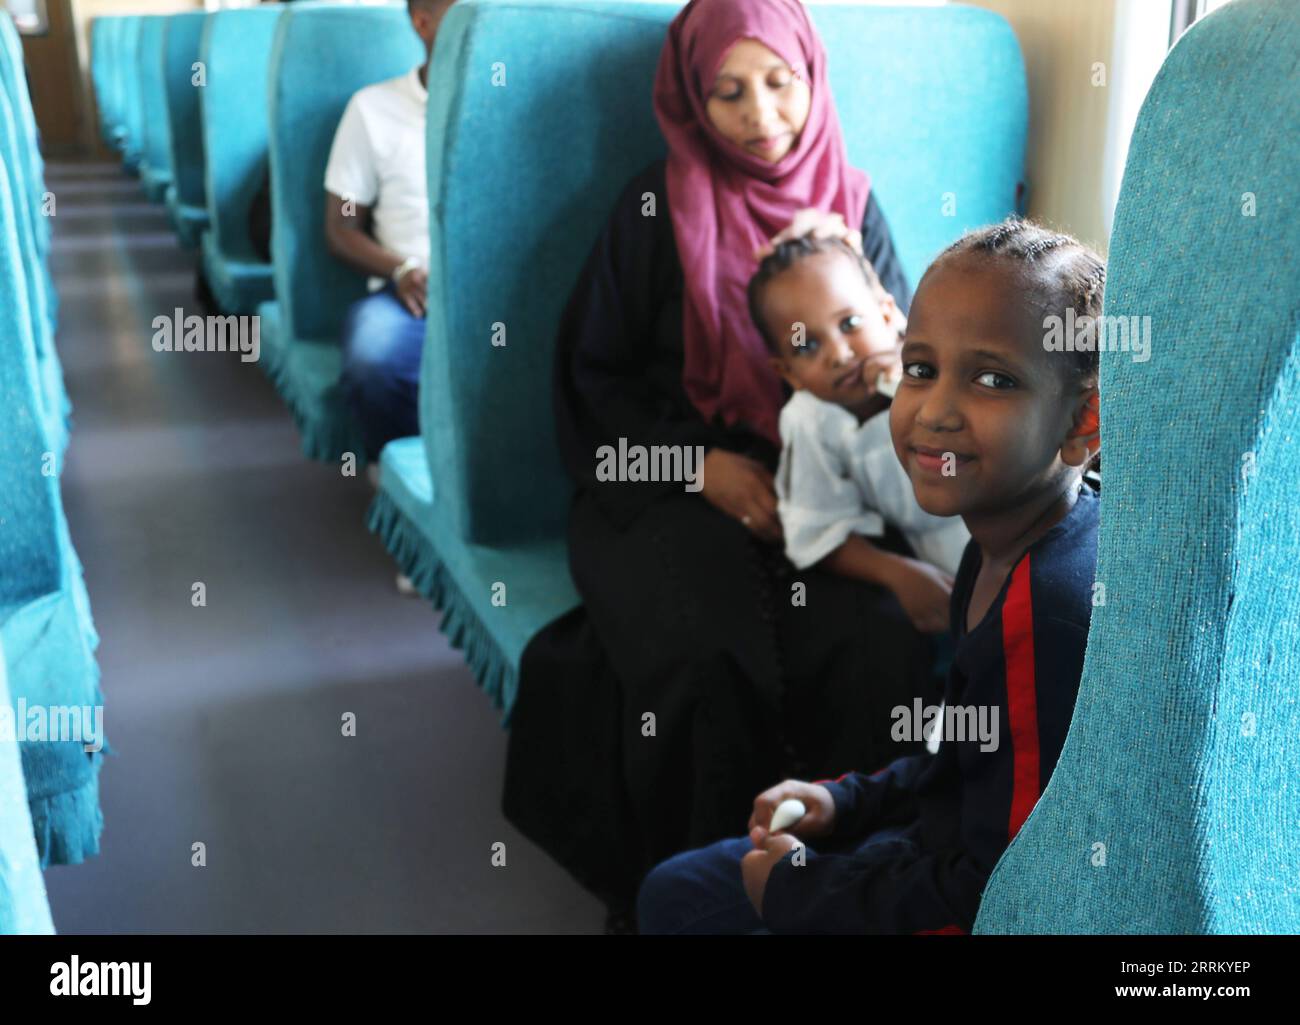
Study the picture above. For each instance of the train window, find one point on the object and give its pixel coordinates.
(30, 16)
(1187, 11)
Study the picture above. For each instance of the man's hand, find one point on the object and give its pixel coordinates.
(816, 223)
(742, 488)
(413, 290)
(756, 866)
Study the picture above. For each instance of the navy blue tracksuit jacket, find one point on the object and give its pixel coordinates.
(959, 809)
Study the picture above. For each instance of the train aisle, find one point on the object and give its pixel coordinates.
(227, 717)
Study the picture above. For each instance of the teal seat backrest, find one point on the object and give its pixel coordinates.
(523, 176)
(24, 228)
(129, 84)
(181, 41)
(323, 54)
(156, 152)
(20, 149)
(24, 906)
(116, 77)
(29, 538)
(236, 51)
(14, 81)
(101, 63)
(1174, 807)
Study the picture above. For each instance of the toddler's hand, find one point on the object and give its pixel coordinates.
(888, 362)
(818, 820)
(925, 593)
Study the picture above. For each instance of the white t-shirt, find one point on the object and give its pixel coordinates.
(378, 160)
(838, 477)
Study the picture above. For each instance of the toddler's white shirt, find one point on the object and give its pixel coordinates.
(838, 477)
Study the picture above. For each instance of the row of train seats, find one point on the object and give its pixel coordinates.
(513, 215)
(49, 679)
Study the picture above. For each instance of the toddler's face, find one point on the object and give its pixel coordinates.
(982, 409)
(828, 320)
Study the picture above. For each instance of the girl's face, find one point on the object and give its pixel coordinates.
(757, 102)
(984, 414)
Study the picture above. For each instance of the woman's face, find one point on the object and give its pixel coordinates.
(757, 102)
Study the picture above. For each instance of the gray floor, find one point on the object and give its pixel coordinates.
(226, 719)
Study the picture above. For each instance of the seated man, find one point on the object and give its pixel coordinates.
(377, 220)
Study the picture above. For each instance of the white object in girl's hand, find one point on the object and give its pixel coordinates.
(787, 813)
(886, 386)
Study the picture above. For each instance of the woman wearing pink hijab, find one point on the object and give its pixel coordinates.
(699, 670)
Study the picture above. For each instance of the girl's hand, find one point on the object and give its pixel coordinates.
(743, 489)
(819, 224)
(757, 865)
(925, 593)
(818, 819)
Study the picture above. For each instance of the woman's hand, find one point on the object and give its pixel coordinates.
(819, 224)
(818, 819)
(742, 488)
(925, 593)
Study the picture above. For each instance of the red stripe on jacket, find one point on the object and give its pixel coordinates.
(1022, 697)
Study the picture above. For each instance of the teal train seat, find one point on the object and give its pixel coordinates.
(128, 88)
(45, 628)
(24, 906)
(1174, 806)
(105, 58)
(522, 178)
(186, 196)
(103, 37)
(322, 55)
(236, 52)
(19, 146)
(155, 152)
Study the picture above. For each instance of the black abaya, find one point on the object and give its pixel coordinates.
(648, 720)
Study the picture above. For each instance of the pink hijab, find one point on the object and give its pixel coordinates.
(726, 202)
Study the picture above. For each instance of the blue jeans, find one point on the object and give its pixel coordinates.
(382, 347)
(701, 892)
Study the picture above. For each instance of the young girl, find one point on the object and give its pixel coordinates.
(830, 326)
(910, 848)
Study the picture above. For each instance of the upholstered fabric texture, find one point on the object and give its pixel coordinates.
(16, 144)
(181, 41)
(128, 85)
(24, 906)
(102, 57)
(155, 157)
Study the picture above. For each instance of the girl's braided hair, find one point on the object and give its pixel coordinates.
(1065, 273)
